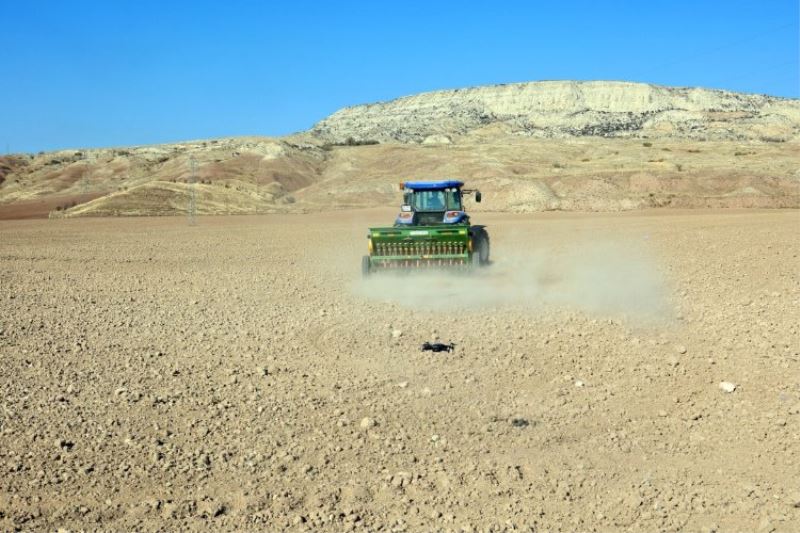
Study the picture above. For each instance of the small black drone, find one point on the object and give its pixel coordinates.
(438, 347)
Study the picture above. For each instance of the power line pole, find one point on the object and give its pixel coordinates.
(192, 198)
(85, 178)
(258, 185)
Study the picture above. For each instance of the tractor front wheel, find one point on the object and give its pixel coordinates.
(365, 266)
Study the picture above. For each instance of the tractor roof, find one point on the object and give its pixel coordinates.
(432, 185)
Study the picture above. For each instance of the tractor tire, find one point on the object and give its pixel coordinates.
(365, 266)
(482, 246)
(475, 260)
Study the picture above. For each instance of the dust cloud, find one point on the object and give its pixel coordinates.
(605, 278)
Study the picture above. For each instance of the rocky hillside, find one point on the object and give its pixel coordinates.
(536, 146)
(237, 175)
(561, 109)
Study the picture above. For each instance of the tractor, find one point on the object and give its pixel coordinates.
(432, 230)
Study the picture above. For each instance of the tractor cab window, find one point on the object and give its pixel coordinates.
(429, 201)
(440, 200)
(453, 200)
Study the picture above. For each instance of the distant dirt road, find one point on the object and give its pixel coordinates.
(238, 375)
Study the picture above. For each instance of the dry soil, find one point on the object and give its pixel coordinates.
(238, 374)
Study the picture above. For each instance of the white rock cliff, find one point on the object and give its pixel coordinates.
(558, 109)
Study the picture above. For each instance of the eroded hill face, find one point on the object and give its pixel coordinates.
(243, 175)
(593, 146)
(562, 109)
(520, 174)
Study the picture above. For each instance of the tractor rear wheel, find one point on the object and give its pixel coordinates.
(475, 260)
(365, 266)
(481, 246)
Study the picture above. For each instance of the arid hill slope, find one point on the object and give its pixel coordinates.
(537, 146)
(230, 176)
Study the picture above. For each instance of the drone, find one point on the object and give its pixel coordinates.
(437, 347)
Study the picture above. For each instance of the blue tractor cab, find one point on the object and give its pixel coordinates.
(429, 203)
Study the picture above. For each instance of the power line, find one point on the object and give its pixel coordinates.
(770, 68)
(710, 51)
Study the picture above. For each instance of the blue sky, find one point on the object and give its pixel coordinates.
(91, 73)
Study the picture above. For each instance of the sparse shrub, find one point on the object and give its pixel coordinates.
(693, 151)
(679, 167)
(666, 150)
(558, 165)
(647, 144)
(585, 159)
(351, 141)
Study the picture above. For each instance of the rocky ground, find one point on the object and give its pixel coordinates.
(620, 372)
